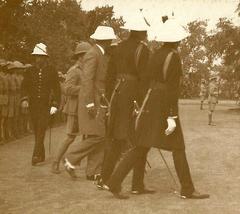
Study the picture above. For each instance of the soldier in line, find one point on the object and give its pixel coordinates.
(127, 69)
(203, 92)
(5, 107)
(91, 110)
(213, 91)
(25, 122)
(39, 82)
(11, 102)
(15, 68)
(157, 124)
(3, 100)
(71, 88)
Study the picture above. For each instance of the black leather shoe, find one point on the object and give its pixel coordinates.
(119, 195)
(99, 183)
(195, 195)
(143, 191)
(36, 160)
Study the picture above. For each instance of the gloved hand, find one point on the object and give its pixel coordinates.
(171, 126)
(25, 104)
(104, 103)
(92, 112)
(53, 110)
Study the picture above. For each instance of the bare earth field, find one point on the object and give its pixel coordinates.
(213, 154)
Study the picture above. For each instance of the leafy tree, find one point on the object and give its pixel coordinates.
(59, 24)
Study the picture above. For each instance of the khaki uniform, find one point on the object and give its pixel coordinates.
(5, 96)
(72, 88)
(213, 95)
(1, 92)
(12, 95)
(203, 92)
(18, 80)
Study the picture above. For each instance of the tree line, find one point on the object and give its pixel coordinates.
(61, 24)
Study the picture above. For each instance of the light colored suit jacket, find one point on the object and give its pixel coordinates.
(72, 88)
(93, 77)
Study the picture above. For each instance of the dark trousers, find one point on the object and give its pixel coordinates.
(40, 120)
(136, 158)
(112, 154)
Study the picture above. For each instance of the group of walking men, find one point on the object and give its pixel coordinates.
(119, 99)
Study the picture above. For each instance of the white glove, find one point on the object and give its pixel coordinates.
(53, 110)
(25, 104)
(171, 126)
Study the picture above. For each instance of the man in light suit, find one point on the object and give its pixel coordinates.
(90, 110)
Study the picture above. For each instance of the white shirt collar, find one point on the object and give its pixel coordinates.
(101, 49)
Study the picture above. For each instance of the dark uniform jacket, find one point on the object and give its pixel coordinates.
(127, 66)
(41, 88)
(161, 103)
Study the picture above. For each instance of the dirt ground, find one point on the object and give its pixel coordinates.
(213, 154)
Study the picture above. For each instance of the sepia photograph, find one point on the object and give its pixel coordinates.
(119, 106)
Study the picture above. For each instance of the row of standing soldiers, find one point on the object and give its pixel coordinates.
(14, 120)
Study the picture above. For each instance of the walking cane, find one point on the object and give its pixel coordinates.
(169, 172)
(50, 134)
(139, 112)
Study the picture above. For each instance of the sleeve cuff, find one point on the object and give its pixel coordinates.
(173, 117)
(90, 105)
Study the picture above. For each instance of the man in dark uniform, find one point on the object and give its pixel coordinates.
(127, 69)
(157, 124)
(39, 82)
